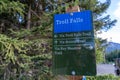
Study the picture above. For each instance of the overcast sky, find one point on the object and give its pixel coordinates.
(114, 33)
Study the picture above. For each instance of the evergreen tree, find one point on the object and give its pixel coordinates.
(28, 54)
(10, 13)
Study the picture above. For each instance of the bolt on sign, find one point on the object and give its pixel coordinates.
(73, 44)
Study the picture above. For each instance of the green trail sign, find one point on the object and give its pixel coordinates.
(73, 44)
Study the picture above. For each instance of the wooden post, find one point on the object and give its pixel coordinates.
(74, 77)
(73, 9)
(68, 10)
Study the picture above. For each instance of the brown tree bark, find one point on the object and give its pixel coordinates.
(29, 18)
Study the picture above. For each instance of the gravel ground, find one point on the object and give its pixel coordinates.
(104, 69)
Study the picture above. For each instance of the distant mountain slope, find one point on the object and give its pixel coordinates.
(112, 46)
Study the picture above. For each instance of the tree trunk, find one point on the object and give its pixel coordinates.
(29, 18)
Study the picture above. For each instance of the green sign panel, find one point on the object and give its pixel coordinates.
(74, 51)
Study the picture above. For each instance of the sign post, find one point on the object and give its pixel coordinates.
(73, 44)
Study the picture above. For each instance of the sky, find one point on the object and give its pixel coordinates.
(113, 34)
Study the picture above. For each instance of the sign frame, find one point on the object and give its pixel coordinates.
(58, 38)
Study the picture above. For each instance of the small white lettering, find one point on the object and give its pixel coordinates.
(69, 21)
(58, 52)
(76, 20)
(66, 21)
(74, 48)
